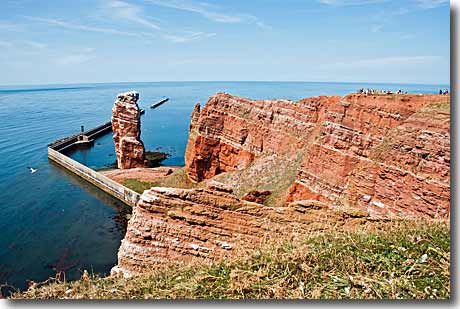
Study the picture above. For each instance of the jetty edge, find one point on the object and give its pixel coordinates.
(162, 101)
(57, 153)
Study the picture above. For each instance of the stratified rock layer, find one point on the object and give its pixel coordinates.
(178, 224)
(171, 224)
(231, 131)
(361, 156)
(126, 128)
(408, 172)
(386, 154)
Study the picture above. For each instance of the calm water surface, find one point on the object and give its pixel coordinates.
(53, 217)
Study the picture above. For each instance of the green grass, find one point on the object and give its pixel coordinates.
(269, 172)
(438, 107)
(107, 167)
(178, 179)
(137, 185)
(387, 263)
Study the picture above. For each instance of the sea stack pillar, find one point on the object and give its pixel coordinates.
(126, 126)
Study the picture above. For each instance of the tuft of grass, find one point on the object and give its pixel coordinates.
(438, 107)
(270, 172)
(178, 179)
(395, 260)
(138, 185)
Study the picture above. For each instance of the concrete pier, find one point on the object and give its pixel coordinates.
(56, 153)
(85, 137)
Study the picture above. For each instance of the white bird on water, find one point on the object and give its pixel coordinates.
(32, 170)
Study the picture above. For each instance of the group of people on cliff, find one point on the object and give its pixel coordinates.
(379, 91)
(444, 91)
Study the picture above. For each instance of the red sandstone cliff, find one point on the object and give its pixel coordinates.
(231, 131)
(360, 156)
(388, 155)
(178, 224)
(170, 224)
(126, 128)
(385, 154)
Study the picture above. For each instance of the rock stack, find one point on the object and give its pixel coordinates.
(126, 128)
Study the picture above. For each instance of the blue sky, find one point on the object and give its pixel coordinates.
(44, 42)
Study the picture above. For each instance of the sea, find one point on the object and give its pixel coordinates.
(53, 220)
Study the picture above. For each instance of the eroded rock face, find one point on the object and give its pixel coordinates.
(170, 224)
(385, 154)
(363, 156)
(256, 196)
(230, 131)
(126, 128)
(178, 224)
(388, 155)
(409, 172)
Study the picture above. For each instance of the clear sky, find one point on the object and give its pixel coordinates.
(79, 41)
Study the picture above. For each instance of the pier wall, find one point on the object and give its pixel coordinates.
(104, 183)
(115, 189)
(56, 153)
(68, 143)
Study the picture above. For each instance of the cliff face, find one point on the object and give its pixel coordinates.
(384, 154)
(126, 128)
(231, 131)
(358, 156)
(179, 225)
(388, 155)
(408, 172)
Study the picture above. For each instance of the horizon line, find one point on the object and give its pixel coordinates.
(233, 81)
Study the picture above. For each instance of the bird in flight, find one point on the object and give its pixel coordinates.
(32, 170)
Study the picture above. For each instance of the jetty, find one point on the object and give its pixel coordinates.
(57, 153)
(84, 138)
(155, 105)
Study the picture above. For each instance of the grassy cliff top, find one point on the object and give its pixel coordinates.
(398, 259)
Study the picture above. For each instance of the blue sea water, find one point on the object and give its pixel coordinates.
(53, 217)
